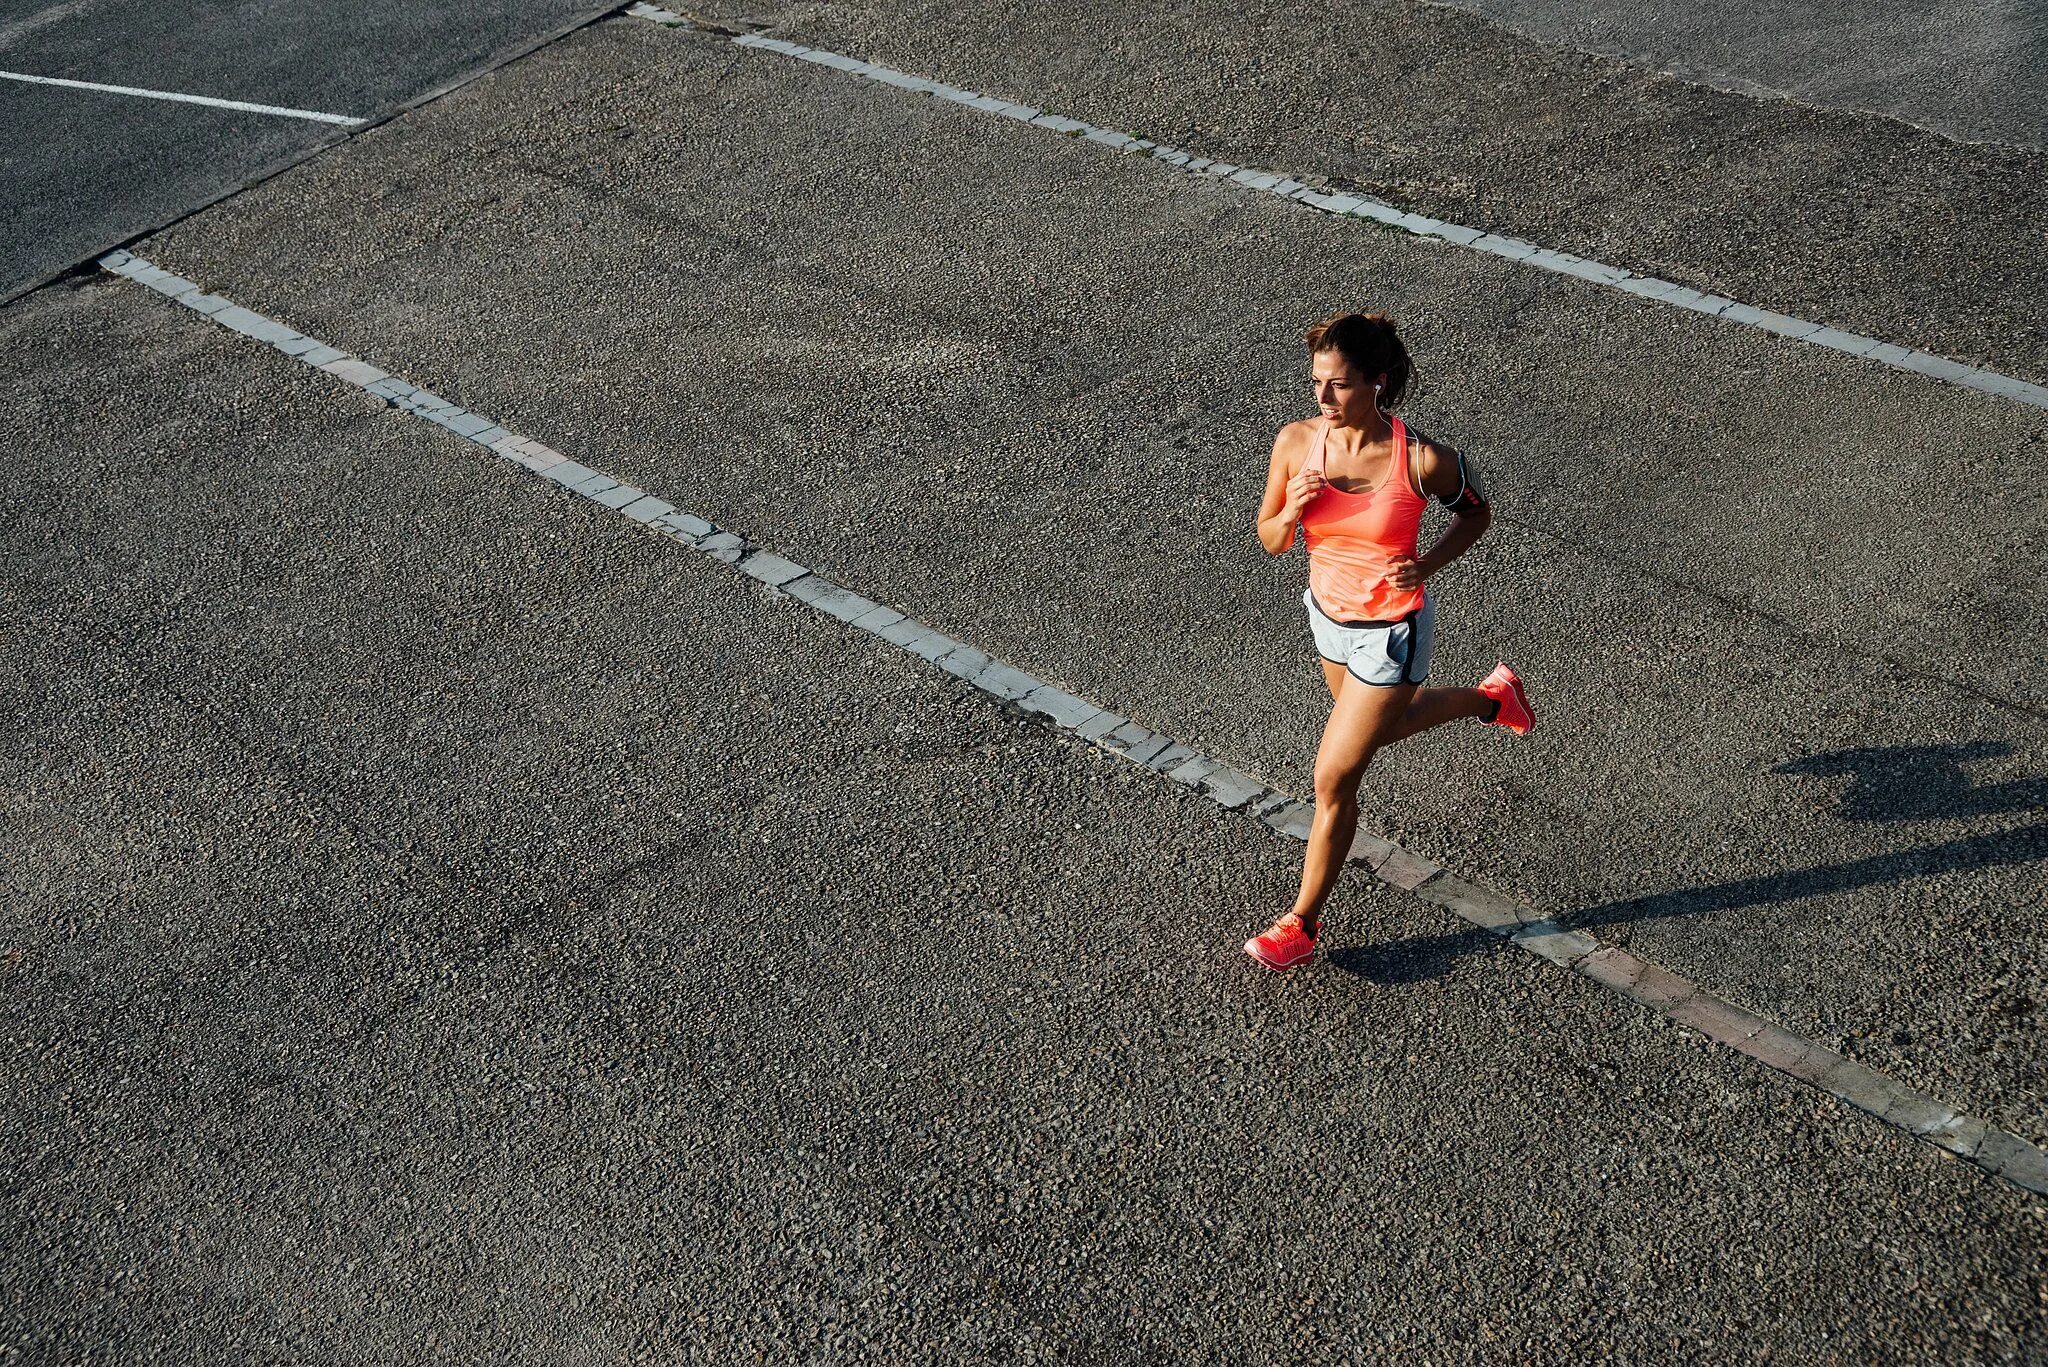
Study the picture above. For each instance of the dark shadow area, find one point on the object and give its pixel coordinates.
(1920, 782)
(1899, 783)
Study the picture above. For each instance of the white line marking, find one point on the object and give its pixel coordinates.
(1360, 206)
(241, 105)
(1996, 1151)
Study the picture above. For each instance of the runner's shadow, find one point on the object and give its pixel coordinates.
(1894, 783)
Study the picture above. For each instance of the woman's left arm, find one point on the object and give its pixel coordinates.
(1449, 476)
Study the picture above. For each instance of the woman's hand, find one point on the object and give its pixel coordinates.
(1302, 491)
(1406, 574)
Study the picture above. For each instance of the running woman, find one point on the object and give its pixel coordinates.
(1355, 481)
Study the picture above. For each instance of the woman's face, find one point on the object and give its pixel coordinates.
(1345, 397)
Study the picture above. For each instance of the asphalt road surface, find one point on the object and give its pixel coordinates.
(441, 920)
(1971, 71)
(83, 169)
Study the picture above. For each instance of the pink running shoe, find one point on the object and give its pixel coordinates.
(1504, 686)
(1282, 947)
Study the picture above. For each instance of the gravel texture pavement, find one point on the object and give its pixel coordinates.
(1838, 217)
(1788, 744)
(444, 922)
(1970, 71)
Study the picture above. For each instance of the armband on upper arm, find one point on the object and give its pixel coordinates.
(1471, 496)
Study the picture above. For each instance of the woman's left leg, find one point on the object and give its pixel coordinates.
(1364, 719)
(1432, 707)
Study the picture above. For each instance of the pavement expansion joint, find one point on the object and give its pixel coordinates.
(1304, 191)
(1912, 1113)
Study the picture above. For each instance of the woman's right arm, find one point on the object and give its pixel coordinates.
(1286, 496)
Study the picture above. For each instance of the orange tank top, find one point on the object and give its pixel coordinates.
(1354, 538)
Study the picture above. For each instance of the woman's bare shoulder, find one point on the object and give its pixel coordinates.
(1294, 438)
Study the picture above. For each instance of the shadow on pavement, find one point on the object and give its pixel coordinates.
(1897, 783)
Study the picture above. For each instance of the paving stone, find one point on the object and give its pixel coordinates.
(906, 631)
(1148, 750)
(1916, 1112)
(490, 436)
(241, 319)
(2014, 1159)
(1098, 726)
(1858, 1086)
(1937, 367)
(1961, 1136)
(1515, 249)
(1458, 233)
(323, 354)
(211, 305)
(469, 424)
(1172, 757)
(1853, 343)
(173, 286)
(1369, 848)
(1548, 940)
(811, 588)
(1272, 800)
(1064, 708)
(964, 660)
(1659, 988)
(115, 259)
(877, 617)
(540, 459)
(1293, 819)
(1784, 324)
(724, 546)
(568, 473)
(297, 345)
(1006, 681)
(1229, 788)
(688, 523)
(1126, 736)
(1796, 1055)
(1610, 967)
(1715, 1018)
(765, 566)
(1481, 906)
(932, 645)
(844, 604)
(1193, 771)
(356, 372)
(617, 496)
(1406, 870)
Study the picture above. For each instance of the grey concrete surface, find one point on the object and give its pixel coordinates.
(443, 923)
(1842, 218)
(1790, 743)
(1973, 71)
(97, 167)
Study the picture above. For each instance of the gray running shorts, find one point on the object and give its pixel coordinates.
(1378, 653)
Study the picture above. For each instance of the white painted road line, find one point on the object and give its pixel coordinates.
(241, 106)
(1360, 206)
(1994, 1150)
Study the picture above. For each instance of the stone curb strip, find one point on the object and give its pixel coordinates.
(1996, 1151)
(1361, 206)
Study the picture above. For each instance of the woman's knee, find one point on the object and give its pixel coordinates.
(1337, 784)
